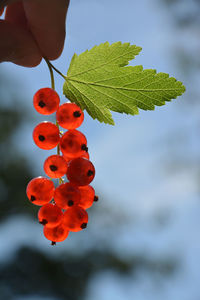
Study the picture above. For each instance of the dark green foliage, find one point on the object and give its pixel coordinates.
(66, 277)
(14, 170)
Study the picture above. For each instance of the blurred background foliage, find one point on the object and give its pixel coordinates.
(30, 271)
(14, 171)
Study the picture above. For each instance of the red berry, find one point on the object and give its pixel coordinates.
(56, 234)
(80, 171)
(85, 155)
(40, 190)
(75, 218)
(69, 116)
(46, 101)
(73, 144)
(67, 159)
(55, 166)
(66, 195)
(50, 215)
(46, 135)
(87, 196)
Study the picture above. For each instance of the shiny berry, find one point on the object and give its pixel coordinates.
(66, 195)
(46, 101)
(75, 218)
(56, 234)
(46, 135)
(87, 196)
(40, 190)
(73, 144)
(67, 159)
(80, 171)
(85, 155)
(55, 166)
(50, 215)
(69, 116)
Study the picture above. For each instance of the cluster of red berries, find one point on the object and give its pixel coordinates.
(64, 207)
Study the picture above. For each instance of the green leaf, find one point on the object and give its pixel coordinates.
(99, 80)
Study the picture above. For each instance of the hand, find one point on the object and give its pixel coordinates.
(32, 29)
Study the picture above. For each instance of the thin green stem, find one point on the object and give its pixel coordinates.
(57, 71)
(51, 74)
(61, 180)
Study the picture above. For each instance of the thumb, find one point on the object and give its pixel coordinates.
(18, 46)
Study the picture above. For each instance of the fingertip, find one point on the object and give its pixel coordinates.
(47, 23)
(53, 53)
(19, 46)
(29, 61)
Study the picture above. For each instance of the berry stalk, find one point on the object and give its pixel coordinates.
(51, 73)
(51, 67)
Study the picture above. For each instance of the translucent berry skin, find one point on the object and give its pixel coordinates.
(56, 234)
(69, 116)
(68, 159)
(67, 195)
(87, 196)
(40, 190)
(46, 135)
(55, 166)
(75, 218)
(50, 215)
(73, 144)
(80, 171)
(86, 155)
(46, 101)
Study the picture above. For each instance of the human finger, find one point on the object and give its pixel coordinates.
(18, 46)
(46, 20)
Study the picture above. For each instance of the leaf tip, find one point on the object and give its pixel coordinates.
(183, 87)
(139, 48)
(112, 123)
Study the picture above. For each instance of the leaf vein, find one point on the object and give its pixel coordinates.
(99, 66)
